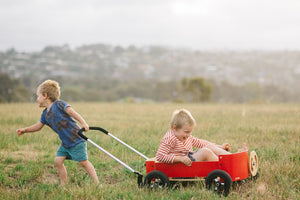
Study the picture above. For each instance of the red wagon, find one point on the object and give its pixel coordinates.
(218, 175)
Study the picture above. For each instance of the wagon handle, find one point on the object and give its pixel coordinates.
(140, 176)
(80, 133)
(91, 128)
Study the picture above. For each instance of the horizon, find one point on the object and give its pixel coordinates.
(73, 48)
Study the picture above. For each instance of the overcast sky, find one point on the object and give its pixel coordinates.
(30, 25)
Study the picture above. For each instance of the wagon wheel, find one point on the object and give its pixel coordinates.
(253, 164)
(156, 179)
(218, 181)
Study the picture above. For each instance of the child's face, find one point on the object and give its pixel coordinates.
(41, 99)
(183, 133)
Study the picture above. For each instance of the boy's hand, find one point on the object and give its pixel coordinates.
(86, 127)
(226, 146)
(20, 131)
(185, 160)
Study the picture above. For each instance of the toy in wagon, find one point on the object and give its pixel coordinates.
(218, 175)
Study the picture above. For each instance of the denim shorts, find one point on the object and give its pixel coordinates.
(76, 153)
(190, 155)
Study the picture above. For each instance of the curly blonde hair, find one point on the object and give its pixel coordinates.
(182, 117)
(51, 88)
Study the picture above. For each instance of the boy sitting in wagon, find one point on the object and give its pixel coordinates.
(177, 144)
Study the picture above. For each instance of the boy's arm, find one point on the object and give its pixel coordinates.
(36, 127)
(200, 143)
(163, 155)
(70, 111)
(224, 146)
(183, 159)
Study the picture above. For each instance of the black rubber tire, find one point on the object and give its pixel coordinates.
(156, 179)
(254, 178)
(218, 181)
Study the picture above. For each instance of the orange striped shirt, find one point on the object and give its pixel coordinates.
(171, 146)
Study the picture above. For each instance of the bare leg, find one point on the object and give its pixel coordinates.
(62, 171)
(205, 154)
(90, 170)
(217, 150)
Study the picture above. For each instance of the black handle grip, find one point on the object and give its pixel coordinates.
(91, 128)
(99, 129)
(81, 134)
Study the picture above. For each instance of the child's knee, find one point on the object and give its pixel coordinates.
(210, 146)
(207, 151)
(58, 162)
(210, 155)
(84, 163)
(204, 154)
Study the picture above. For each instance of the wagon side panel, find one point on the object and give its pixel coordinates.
(236, 165)
(150, 166)
(197, 169)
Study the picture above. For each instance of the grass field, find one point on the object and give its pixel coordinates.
(27, 169)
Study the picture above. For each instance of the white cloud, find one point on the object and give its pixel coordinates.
(200, 24)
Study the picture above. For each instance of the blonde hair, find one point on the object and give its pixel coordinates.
(51, 88)
(182, 117)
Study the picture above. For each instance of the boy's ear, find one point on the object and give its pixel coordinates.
(174, 127)
(45, 95)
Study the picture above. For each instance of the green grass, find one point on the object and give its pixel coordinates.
(27, 163)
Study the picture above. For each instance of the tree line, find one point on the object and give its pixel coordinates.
(192, 89)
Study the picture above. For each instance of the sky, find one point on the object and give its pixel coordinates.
(31, 25)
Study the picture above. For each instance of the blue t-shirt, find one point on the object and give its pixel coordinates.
(62, 123)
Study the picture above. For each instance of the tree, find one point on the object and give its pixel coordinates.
(12, 90)
(6, 88)
(196, 89)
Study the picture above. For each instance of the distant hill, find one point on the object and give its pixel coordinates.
(114, 64)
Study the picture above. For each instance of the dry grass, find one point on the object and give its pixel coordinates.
(27, 170)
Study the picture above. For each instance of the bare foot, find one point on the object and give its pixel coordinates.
(244, 148)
